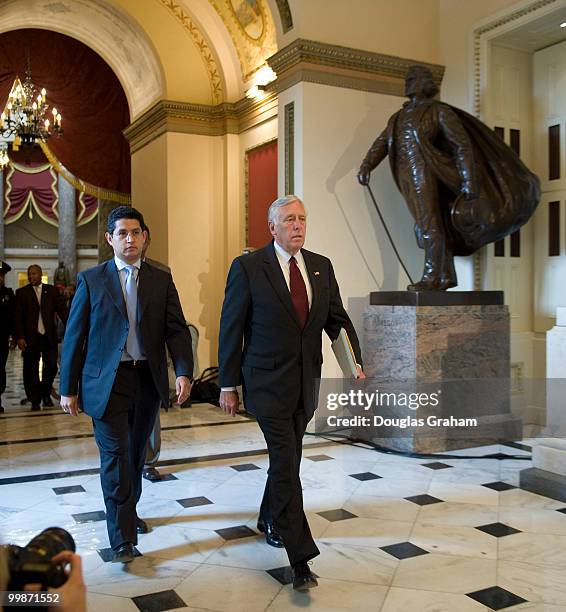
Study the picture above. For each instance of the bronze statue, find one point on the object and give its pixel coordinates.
(463, 185)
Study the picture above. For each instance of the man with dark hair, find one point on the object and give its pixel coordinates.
(278, 301)
(124, 313)
(7, 300)
(36, 335)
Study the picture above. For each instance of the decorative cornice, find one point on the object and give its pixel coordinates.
(316, 62)
(204, 50)
(226, 118)
(285, 15)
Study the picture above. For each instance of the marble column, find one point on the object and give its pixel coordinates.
(104, 249)
(2, 234)
(548, 474)
(67, 227)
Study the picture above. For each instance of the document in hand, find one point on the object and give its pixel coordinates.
(345, 355)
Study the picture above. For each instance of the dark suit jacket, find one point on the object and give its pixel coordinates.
(98, 327)
(27, 313)
(262, 344)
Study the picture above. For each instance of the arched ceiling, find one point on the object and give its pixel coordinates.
(198, 51)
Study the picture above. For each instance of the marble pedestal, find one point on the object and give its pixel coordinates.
(548, 474)
(456, 343)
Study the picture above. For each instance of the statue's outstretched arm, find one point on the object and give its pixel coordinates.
(376, 154)
(454, 132)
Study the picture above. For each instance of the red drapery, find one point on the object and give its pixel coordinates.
(262, 190)
(34, 187)
(86, 92)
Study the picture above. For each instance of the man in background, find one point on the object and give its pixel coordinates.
(7, 300)
(36, 335)
(153, 447)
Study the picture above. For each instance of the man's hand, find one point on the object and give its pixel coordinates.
(229, 401)
(183, 388)
(70, 404)
(22, 344)
(73, 592)
(361, 374)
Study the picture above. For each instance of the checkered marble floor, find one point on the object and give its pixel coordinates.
(445, 534)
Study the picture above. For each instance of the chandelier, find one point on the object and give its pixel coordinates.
(26, 119)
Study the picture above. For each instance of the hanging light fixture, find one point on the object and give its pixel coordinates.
(26, 118)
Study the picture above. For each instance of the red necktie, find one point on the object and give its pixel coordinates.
(298, 292)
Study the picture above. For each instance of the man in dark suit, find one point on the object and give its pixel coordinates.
(278, 301)
(7, 300)
(113, 364)
(153, 448)
(36, 335)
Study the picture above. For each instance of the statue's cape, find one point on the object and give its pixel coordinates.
(509, 191)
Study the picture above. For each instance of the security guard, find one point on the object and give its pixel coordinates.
(7, 301)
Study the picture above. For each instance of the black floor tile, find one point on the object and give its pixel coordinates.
(167, 477)
(245, 467)
(90, 517)
(320, 458)
(337, 515)
(437, 465)
(365, 476)
(65, 490)
(191, 502)
(106, 554)
(424, 500)
(496, 598)
(284, 575)
(404, 550)
(499, 486)
(235, 533)
(159, 602)
(498, 530)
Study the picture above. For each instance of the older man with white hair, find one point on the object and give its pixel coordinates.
(278, 301)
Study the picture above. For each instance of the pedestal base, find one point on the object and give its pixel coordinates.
(458, 342)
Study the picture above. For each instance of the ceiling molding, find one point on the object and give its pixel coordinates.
(208, 120)
(285, 15)
(316, 62)
(205, 52)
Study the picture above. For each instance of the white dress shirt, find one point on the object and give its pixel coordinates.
(283, 258)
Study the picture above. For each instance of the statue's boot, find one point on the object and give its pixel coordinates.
(439, 272)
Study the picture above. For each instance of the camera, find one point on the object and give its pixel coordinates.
(32, 564)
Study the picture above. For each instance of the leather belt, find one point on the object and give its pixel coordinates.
(134, 364)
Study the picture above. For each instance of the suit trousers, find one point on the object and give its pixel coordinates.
(4, 352)
(37, 390)
(282, 502)
(121, 435)
(153, 446)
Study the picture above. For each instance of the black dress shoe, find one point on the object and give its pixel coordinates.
(271, 536)
(151, 474)
(47, 403)
(142, 526)
(35, 407)
(303, 578)
(125, 553)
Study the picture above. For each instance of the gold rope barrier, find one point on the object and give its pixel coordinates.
(97, 192)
